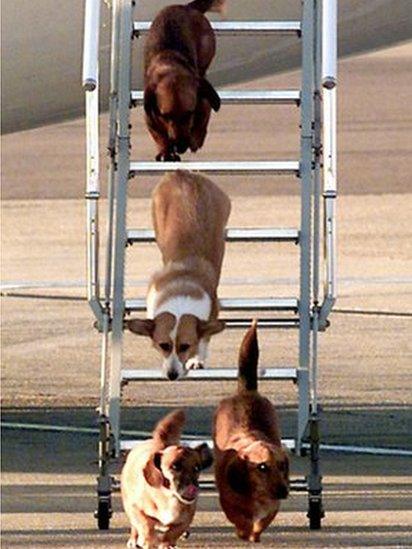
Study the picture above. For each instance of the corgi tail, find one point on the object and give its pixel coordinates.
(169, 429)
(248, 361)
(208, 5)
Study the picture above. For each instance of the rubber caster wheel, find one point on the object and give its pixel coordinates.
(315, 514)
(103, 514)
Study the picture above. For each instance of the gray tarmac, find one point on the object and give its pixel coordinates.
(50, 353)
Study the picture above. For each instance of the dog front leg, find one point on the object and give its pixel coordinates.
(132, 543)
(198, 362)
(201, 120)
(260, 525)
(166, 152)
(142, 532)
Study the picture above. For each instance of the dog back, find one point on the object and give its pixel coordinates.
(190, 214)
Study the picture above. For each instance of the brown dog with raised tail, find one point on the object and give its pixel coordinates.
(160, 485)
(251, 466)
(177, 97)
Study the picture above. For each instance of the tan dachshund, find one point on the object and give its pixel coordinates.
(190, 214)
(251, 467)
(177, 97)
(160, 485)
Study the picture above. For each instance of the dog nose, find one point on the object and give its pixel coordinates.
(172, 375)
(282, 492)
(182, 146)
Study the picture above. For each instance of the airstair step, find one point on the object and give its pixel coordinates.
(233, 28)
(235, 304)
(245, 97)
(211, 374)
(264, 167)
(232, 235)
(243, 323)
(295, 485)
(125, 445)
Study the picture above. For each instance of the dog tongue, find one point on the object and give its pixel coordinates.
(190, 492)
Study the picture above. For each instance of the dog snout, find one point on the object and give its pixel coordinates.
(172, 375)
(173, 367)
(182, 146)
(282, 492)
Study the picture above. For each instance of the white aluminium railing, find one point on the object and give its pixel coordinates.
(91, 86)
(91, 44)
(329, 43)
(329, 81)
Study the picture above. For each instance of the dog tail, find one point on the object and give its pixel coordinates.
(208, 5)
(169, 429)
(248, 361)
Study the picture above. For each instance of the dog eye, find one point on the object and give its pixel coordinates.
(167, 347)
(184, 347)
(176, 466)
(197, 468)
(263, 468)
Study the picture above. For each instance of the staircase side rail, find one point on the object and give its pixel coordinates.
(91, 86)
(329, 68)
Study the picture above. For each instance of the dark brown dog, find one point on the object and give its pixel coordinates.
(177, 97)
(251, 467)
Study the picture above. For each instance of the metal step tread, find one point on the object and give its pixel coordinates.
(280, 167)
(211, 374)
(239, 27)
(231, 235)
(236, 304)
(289, 443)
(243, 323)
(245, 97)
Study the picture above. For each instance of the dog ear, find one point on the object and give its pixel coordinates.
(237, 476)
(153, 472)
(140, 326)
(205, 454)
(149, 101)
(209, 327)
(207, 91)
(285, 463)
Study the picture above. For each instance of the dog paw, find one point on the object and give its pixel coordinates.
(195, 364)
(168, 157)
(132, 544)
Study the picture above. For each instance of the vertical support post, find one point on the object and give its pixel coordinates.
(104, 397)
(103, 512)
(306, 174)
(121, 183)
(317, 146)
(314, 479)
(92, 198)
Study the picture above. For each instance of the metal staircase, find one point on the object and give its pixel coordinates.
(308, 312)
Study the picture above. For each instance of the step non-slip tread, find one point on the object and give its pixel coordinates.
(233, 28)
(210, 374)
(245, 97)
(289, 443)
(231, 235)
(262, 167)
(235, 304)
